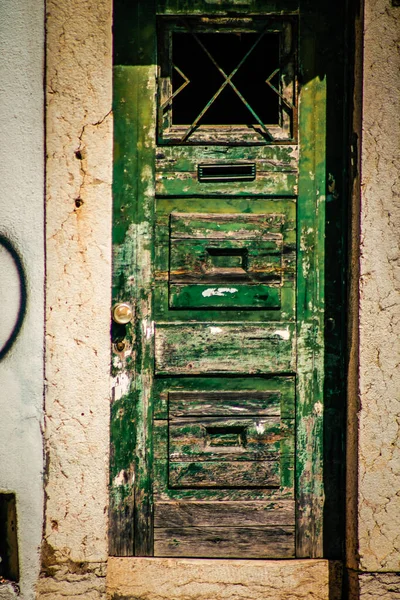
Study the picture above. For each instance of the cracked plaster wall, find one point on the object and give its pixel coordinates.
(22, 225)
(202, 579)
(379, 586)
(379, 416)
(78, 252)
(78, 282)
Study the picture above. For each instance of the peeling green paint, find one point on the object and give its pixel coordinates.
(227, 283)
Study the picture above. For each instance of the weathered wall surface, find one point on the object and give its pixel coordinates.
(201, 579)
(78, 200)
(22, 232)
(379, 586)
(379, 416)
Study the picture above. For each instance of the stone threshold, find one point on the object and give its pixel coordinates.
(224, 579)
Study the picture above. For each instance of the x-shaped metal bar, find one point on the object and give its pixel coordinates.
(281, 96)
(180, 88)
(228, 80)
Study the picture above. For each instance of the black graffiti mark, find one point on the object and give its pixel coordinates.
(7, 244)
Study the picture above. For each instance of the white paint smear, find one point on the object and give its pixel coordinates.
(218, 292)
(318, 408)
(215, 330)
(148, 328)
(283, 333)
(260, 427)
(120, 479)
(122, 384)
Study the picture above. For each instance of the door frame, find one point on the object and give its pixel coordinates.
(132, 243)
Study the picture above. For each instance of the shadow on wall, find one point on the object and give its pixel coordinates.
(16, 321)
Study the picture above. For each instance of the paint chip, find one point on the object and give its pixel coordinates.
(260, 427)
(283, 333)
(215, 330)
(318, 409)
(218, 292)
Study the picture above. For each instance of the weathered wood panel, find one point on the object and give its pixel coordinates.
(250, 7)
(170, 394)
(163, 493)
(200, 343)
(134, 90)
(273, 183)
(233, 249)
(222, 403)
(226, 226)
(224, 514)
(222, 348)
(240, 296)
(228, 438)
(311, 300)
(225, 474)
(210, 261)
(266, 158)
(225, 542)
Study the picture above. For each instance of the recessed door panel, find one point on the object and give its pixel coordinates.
(229, 261)
(224, 467)
(225, 348)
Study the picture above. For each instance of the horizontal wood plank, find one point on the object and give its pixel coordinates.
(227, 261)
(234, 474)
(225, 226)
(266, 158)
(225, 542)
(202, 7)
(175, 396)
(221, 348)
(231, 295)
(224, 514)
(274, 183)
(223, 403)
(229, 438)
(163, 492)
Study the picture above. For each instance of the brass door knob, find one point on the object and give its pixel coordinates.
(122, 313)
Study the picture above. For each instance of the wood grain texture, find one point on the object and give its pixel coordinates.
(217, 234)
(210, 261)
(170, 395)
(201, 7)
(223, 403)
(274, 183)
(228, 438)
(227, 226)
(311, 300)
(266, 158)
(134, 89)
(234, 250)
(265, 473)
(224, 514)
(122, 447)
(222, 348)
(225, 542)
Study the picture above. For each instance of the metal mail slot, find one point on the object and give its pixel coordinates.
(230, 172)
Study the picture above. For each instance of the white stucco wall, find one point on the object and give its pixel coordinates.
(379, 416)
(78, 291)
(22, 223)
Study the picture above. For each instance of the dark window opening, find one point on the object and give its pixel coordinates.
(227, 49)
(9, 568)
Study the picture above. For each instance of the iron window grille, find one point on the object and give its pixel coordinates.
(227, 81)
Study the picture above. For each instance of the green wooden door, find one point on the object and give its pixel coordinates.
(219, 251)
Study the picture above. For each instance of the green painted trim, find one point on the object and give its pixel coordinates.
(134, 91)
(310, 306)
